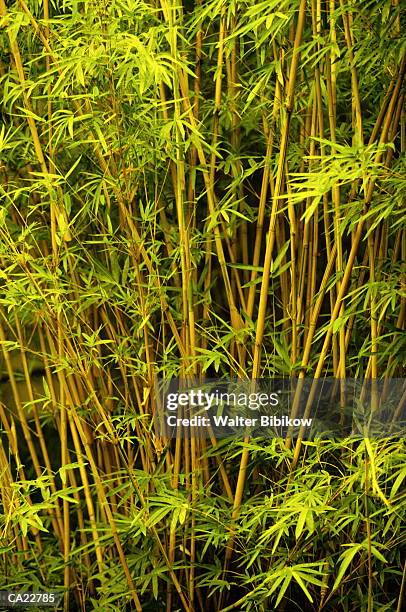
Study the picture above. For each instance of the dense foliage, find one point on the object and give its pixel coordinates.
(198, 188)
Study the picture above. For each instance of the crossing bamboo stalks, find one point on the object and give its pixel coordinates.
(193, 191)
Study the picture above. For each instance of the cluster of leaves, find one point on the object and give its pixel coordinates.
(208, 189)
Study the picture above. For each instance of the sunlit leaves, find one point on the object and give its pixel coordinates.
(159, 143)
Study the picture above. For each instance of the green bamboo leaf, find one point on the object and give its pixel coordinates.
(346, 559)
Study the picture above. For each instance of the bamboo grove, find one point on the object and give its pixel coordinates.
(192, 189)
